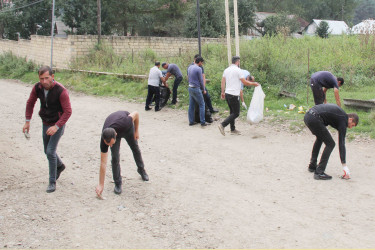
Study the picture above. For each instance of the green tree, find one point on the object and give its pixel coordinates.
(280, 23)
(322, 29)
(365, 10)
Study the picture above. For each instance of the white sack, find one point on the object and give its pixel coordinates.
(255, 112)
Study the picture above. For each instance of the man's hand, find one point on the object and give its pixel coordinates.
(244, 105)
(346, 175)
(223, 96)
(204, 92)
(26, 127)
(99, 190)
(51, 130)
(136, 135)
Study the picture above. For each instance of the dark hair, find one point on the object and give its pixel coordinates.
(157, 63)
(163, 64)
(340, 79)
(235, 59)
(196, 56)
(108, 134)
(198, 60)
(45, 69)
(355, 118)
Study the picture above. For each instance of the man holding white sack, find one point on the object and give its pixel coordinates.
(230, 91)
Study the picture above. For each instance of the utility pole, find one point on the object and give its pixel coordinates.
(99, 21)
(228, 32)
(199, 27)
(52, 30)
(237, 38)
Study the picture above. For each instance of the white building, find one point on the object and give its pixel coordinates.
(335, 27)
(365, 27)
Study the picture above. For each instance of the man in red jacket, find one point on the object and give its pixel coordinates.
(55, 111)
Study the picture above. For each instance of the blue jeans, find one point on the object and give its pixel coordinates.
(50, 146)
(196, 96)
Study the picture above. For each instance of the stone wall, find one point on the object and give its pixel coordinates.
(38, 48)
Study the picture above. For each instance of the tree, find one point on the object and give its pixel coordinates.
(246, 13)
(322, 29)
(280, 23)
(364, 11)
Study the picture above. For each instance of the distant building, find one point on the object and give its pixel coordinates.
(365, 27)
(335, 27)
(257, 30)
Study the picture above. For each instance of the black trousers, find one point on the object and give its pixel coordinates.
(176, 83)
(115, 151)
(317, 127)
(153, 91)
(234, 108)
(318, 92)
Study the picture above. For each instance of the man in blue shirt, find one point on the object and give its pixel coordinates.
(173, 69)
(196, 88)
(320, 82)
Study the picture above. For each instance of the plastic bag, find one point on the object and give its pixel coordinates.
(255, 112)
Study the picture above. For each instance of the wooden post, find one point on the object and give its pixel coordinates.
(237, 38)
(99, 21)
(228, 32)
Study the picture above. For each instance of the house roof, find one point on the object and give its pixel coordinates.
(335, 27)
(365, 27)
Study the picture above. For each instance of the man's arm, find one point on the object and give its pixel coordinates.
(29, 110)
(167, 76)
(67, 112)
(248, 83)
(135, 116)
(103, 166)
(337, 96)
(204, 79)
(223, 88)
(164, 81)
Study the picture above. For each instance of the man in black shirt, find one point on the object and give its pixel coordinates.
(120, 124)
(320, 82)
(316, 119)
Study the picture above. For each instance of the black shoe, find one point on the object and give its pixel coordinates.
(143, 174)
(173, 103)
(311, 168)
(51, 187)
(118, 189)
(157, 109)
(59, 170)
(205, 124)
(147, 108)
(322, 176)
(214, 110)
(192, 124)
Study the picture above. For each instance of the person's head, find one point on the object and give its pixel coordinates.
(199, 60)
(236, 60)
(353, 120)
(109, 136)
(46, 77)
(340, 81)
(164, 65)
(196, 56)
(157, 64)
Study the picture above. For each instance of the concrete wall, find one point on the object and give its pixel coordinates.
(38, 49)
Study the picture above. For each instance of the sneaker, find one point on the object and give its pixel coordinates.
(59, 170)
(205, 124)
(147, 108)
(192, 124)
(221, 128)
(214, 110)
(143, 174)
(157, 109)
(118, 189)
(322, 176)
(51, 187)
(235, 132)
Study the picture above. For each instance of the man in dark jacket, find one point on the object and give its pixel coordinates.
(316, 119)
(320, 82)
(55, 111)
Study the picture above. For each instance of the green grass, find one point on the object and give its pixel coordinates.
(278, 63)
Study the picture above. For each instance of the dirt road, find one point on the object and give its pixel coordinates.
(205, 190)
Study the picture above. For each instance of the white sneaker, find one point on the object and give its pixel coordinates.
(235, 132)
(221, 128)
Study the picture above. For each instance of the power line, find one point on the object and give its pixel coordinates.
(21, 7)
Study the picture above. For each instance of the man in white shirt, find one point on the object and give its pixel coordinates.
(154, 78)
(230, 91)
